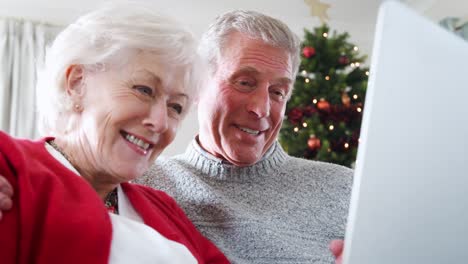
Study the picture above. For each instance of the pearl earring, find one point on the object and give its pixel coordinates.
(77, 108)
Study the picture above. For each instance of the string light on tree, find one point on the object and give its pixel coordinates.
(355, 48)
(306, 74)
(296, 129)
(325, 34)
(307, 80)
(327, 78)
(331, 127)
(304, 124)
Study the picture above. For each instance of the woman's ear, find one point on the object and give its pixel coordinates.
(75, 81)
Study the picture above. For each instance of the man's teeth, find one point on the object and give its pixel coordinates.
(250, 131)
(140, 143)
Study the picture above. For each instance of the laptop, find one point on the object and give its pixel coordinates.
(410, 196)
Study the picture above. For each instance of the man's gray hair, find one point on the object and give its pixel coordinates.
(255, 25)
(108, 37)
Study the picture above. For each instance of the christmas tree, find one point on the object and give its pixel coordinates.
(323, 116)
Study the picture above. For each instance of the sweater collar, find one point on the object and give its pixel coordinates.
(221, 169)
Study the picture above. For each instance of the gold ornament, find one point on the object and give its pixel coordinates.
(345, 99)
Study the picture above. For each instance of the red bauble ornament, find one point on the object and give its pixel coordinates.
(309, 110)
(323, 105)
(343, 60)
(308, 51)
(295, 115)
(314, 143)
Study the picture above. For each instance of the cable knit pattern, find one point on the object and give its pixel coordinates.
(280, 210)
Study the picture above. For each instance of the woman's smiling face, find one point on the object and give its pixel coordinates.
(130, 115)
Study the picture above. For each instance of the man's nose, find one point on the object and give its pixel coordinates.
(259, 102)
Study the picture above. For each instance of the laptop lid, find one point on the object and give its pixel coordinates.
(410, 196)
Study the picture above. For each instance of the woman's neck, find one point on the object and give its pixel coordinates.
(74, 153)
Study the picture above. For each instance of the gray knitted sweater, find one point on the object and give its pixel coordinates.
(280, 210)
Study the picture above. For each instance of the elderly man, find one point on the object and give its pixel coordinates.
(235, 182)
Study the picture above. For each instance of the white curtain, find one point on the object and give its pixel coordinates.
(22, 45)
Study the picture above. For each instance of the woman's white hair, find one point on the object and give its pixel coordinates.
(256, 26)
(109, 36)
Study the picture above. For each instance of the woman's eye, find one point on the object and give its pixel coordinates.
(177, 108)
(144, 90)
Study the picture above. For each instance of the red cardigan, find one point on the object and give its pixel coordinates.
(57, 217)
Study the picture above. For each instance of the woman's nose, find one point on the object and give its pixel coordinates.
(157, 119)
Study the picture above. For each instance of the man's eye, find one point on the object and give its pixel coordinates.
(176, 107)
(245, 83)
(144, 90)
(278, 93)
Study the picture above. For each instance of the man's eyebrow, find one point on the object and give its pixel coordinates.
(284, 80)
(248, 69)
(244, 70)
(252, 70)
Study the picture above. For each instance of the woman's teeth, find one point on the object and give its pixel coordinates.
(140, 143)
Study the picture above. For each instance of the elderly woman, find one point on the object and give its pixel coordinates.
(114, 87)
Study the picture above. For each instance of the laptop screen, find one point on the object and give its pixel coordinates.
(410, 195)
